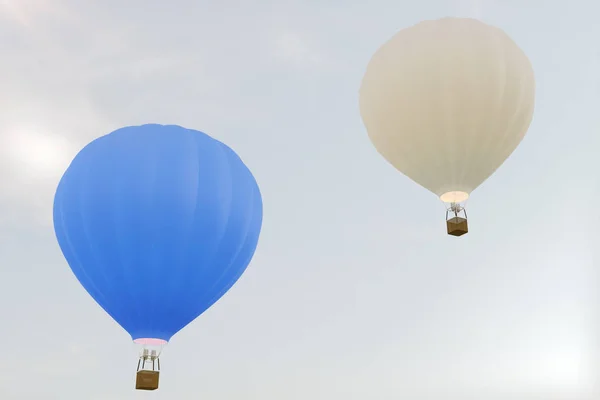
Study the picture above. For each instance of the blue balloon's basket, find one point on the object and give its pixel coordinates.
(147, 379)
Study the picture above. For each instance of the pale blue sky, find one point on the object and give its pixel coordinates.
(355, 292)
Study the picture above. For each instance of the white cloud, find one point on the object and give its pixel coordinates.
(472, 8)
(32, 162)
(297, 50)
(27, 13)
(36, 154)
(36, 147)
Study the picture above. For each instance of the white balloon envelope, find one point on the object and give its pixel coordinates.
(446, 102)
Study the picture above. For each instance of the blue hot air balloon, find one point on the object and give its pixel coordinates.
(157, 222)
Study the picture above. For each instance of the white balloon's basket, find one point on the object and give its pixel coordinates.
(457, 223)
(457, 226)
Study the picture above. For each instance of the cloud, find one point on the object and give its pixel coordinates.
(298, 51)
(19, 11)
(36, 146)
(28, 13)
(32, 161)
(36, 154)
(472, 8)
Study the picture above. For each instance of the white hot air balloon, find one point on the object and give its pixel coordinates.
(446, 102)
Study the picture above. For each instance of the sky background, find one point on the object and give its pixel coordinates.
(356, 291)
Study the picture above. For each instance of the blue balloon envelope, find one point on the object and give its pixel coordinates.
(157, 222)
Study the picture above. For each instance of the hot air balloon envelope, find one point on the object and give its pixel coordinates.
(446, 102)
(157, 223)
